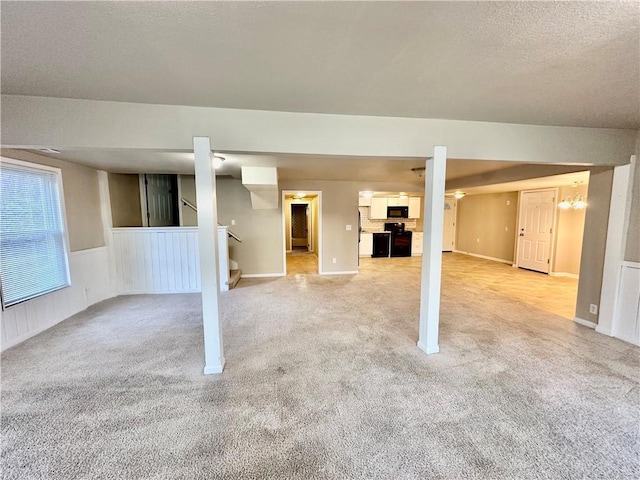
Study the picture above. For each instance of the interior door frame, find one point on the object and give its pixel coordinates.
(143, 200)
(552, 244)
(318, 248)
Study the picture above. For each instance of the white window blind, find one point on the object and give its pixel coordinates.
(33, 251)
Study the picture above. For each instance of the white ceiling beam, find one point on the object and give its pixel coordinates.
(68, 123)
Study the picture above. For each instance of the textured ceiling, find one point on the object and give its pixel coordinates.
(552, 63)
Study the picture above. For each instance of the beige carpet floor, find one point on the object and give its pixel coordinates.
(323, 381)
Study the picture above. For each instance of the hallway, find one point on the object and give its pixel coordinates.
(301, 262)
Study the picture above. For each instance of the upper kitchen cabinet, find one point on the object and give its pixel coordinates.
(378, 210)
(398, 201)
(364, 201)
(414, 207)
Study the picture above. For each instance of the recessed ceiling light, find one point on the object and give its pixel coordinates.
(302, 194)
(459, 195)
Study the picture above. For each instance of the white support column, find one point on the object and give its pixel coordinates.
(432, 251)
(206, 202)
(619, 213)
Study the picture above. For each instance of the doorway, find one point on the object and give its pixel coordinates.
(300, 228)
(160, 200)
(301, 220)
(449, 225)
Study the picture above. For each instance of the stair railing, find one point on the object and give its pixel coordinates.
(194, 208)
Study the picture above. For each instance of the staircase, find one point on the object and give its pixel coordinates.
(230, 273)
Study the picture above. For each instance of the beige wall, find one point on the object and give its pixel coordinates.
(339, 207)
(124, 191)
(481, 224)
(593, 245)
(632, 253)
(260, 230)
(81, 198)
(569, 231)
(187, 184)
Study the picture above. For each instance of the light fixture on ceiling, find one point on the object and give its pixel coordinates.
(301, 194)
(367, 194)
(217, 161)
(576, 202)
(459, 194)
(419, 171)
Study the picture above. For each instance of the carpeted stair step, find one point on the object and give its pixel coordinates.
(234, 278)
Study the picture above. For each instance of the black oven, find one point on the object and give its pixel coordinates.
(397, 212)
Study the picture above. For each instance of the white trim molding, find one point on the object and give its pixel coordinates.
(564, 274)
(584, 323)
(262, 275)
(477, 255)
(348, 272)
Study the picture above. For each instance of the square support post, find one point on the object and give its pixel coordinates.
(206, 202)
(434, 177)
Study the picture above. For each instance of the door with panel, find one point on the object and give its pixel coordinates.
(535, 234)
(448, 228)
(162, 200)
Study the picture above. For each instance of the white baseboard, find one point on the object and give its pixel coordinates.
(501, 260)
(585, 323)
(213, 369)
(262, 275)
(564, 274)
(428, 350)
(604, 331)
(352, 272)
(159, 292)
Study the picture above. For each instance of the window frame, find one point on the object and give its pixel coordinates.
(23, 165)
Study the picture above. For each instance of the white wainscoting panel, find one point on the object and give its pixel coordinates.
(89, 284)
(156, 260)
(626, 322)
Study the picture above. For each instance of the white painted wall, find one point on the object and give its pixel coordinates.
(626, 324)
(89, 284)
(163, 260)
(156, 260)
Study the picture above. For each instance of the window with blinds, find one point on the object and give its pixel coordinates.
(33, 245)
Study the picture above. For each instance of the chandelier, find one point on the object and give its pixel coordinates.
(577, 203)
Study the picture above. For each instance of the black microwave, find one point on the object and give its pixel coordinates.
(397, 212)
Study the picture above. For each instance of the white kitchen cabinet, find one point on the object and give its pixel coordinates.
(364, 201)
(366, 244)
(378, 210)
(414, 207)
(398, 202)
(416, 243)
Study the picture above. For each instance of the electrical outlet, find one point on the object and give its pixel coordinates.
(508, 202)
(233, 222)
(335, 260)
(506, 229)
(348, 228)
(593, 308)
(478, 240)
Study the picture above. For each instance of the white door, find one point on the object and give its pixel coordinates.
(162, 200)
(537, 210)
(448, 228)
